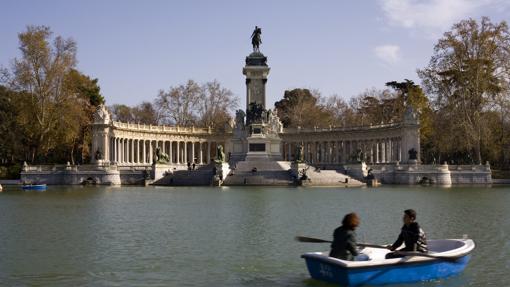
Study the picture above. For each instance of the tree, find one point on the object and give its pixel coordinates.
(40, 74)
(342, 113)
(54, 102)
(189, 104)
(145, 113)
(83, 98)
(178, 105)
(12, 135)
(408, 93)
(122, 113)
(215, 105)
(468, 71)
(302, 108)
(375, 107)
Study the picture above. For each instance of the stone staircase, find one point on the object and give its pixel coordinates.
(260, 172)
(318, 177)
(201, 176)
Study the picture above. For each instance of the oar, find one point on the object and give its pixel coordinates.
(317, 240)
(404, 253)
(311, 240)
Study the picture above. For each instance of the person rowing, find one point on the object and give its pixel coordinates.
(344, 245)
(411, 234)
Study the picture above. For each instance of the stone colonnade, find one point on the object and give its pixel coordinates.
(138, 151)
(383, 150)
(128, 144)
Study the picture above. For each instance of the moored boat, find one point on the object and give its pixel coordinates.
(37, 187)
(446, 257)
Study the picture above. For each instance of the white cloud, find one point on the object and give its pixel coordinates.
(434, 15)
(389, 54)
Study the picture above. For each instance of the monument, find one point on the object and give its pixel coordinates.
(255, 149)
(257, 138)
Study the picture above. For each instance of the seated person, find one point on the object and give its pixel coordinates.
(411, 234)
(344, 238)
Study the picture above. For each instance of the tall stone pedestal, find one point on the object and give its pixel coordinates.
(222, 171)
(159, 170)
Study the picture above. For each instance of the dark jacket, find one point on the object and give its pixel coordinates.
(413, 237)
(344, 244)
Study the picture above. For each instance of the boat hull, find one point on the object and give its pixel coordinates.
(37, 187)
(389, 274)
(447, 257)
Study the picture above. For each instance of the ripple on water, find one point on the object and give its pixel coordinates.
(136, 236)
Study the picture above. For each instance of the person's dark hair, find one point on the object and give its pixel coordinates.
(411, 213)
(350, 220)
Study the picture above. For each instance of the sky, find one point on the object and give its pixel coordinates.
(137, 48)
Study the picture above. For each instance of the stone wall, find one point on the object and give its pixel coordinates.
(70, 175)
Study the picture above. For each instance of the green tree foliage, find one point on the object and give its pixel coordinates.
(144, 113)
(303, 108)
(11, 139)
(408, 93)
(122, 113)
(468, 77)
(54, 101)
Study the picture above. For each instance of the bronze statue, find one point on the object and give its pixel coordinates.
(160, 157)
(255, 39)
(413, 154)
(300, 155)
(98, 155)
(220, 155)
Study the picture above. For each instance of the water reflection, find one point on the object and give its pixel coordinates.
(227, 236)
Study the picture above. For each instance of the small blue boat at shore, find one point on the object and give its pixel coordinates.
(36, 187)
(446, 257)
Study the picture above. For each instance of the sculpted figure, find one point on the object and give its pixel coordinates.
(240, 118)
(255, 39)
(102, 115)
(413, 153)
(220, 155)
(160, 157)
(98, 155)
(300, 156)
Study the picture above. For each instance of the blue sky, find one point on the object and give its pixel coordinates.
(137, 48)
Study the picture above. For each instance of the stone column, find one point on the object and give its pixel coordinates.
(383, 149)
(399, 149)
(132, 150)
(135, 151)
(121, 150)
(315, 151)
(289, 153)
(114, 151)
(185, 153)
(376, 152)
(150, 152)
(170, 152)
(201, 154)
(177, 152)
(208, 152)
(391, 150)
(192, 152)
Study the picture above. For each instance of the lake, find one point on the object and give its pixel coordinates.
(230, 236)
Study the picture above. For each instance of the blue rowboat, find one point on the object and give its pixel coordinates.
(37, 187)
(446, 257)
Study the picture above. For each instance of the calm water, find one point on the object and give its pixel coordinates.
(136, 236)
